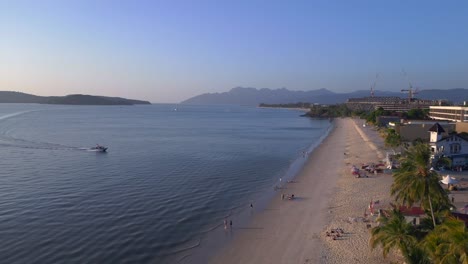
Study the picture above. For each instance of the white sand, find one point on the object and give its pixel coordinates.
(327, 195)
(352, 201)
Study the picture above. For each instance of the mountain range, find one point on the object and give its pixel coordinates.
(73, 99)
(253, 96)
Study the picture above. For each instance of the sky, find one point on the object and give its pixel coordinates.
(168, 51)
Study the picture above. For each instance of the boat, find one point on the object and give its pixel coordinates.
(99, 148)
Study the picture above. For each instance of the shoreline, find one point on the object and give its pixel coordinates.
(286, 108)
(282, 232)
(217, 239)
(328, 196)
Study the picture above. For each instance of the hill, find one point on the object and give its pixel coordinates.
(74, 99)
(252, 96)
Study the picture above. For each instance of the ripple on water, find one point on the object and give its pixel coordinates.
(167, 179)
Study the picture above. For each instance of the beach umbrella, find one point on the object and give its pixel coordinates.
(449, 180)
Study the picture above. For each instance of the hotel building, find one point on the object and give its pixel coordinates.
(452, 113)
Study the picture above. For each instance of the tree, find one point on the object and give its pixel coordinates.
(448, 242)
(396, 233)
(372, 117)
(414, 182)
(392, 138)
(443, 161)
(416, 114)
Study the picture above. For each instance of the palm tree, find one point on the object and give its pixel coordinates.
(414, 182)
(395, 232)
(448, 242)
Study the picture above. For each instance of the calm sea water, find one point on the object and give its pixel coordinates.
(172, 173)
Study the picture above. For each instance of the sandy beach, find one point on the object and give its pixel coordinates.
(327, 196)
(349, 209)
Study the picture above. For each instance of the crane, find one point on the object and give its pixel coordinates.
(411, 92)
(372, 88)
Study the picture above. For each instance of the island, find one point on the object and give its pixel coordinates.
(73, 99)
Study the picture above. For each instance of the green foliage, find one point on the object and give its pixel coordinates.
(392, 138)
(395, 233)
(444, 162)
(338, 110)
(416, 114)
(414, 182)
(448, 243)
(372, 116)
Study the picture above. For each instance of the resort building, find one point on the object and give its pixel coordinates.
(412, 130)
(389, 103)
(453, 146)
(452, 113)
(461, 127)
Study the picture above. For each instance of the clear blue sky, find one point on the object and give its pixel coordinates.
(167, 51)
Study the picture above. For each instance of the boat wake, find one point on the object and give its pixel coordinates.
(7, 140)
(15, 114)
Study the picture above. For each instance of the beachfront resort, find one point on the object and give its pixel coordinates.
(360, 199)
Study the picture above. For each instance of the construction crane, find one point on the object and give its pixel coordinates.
(372, 88)
(411, 92)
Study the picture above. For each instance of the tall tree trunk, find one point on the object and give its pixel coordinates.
(428, 195)
(432, 211)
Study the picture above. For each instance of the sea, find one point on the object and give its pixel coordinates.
(171, 175)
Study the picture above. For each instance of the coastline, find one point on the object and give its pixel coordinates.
(288, 231)
(328, 196)
(217, 239)
(286, 108)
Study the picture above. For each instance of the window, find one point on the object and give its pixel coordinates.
(455, 148)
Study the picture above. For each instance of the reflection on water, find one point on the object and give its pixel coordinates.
(169, 177)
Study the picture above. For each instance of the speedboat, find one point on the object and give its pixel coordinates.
(99, 148)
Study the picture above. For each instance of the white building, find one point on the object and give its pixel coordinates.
(452, 146)
(452, 113)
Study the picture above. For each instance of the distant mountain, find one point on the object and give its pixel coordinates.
(16, 97)
(74, 99)
(252, 96)
(457, 95)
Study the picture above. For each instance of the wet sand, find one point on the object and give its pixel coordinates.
(328, 196)
(289, 231)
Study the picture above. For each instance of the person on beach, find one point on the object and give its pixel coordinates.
(225, 223)
(282, 196)
(230, 223)
(251, 205)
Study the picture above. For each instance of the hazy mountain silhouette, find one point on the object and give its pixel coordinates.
(252, 96)
(74, 99)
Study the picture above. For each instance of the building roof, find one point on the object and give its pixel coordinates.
(411, 211)
(437, 128)
(453, 135)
